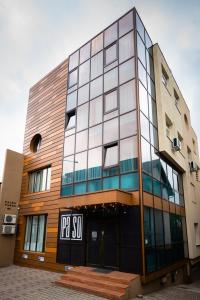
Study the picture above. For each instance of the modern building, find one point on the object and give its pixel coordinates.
(110, 177)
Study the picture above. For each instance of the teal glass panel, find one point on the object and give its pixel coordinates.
(111, 183)
(94, 185)
(128, 165)
(130, 181)
(149, 233)
(94, 172)
(147, 183)
(165, 192)
(80, 175)
(80, 188)
(156, 188)
(66, 190)
(111, 171)
(150, 261)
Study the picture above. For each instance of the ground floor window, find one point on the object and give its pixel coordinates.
(35, 233)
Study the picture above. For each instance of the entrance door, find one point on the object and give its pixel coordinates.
(103, 242)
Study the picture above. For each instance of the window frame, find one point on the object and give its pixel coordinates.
(104, 101)
(117, 53)
(70, 114)
(32, 184)
(105, 147)
(37, 234)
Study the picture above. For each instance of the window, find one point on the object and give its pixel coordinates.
(69, 145)
(111, 155)
(186, 121)
(141, 50)
(68, 170)
(73, 77)
(35, 233)
(126, 47)
(96, 109)
(128, 124)
(39, 180)
(94, 163)
(96, 87)
(70, 120)
(176, 97)
(111, 131)
(83, 94)
(84, 73)
(144, 126)
(110, 54)
(140, 27)
(146, 157)
(110, 79)
(181, 140)
(110, 101)
(165, 77)
(126, 24)
(95, 136)
(73, 60)
(142, 74)
(97, 65)
(127, 97)
(97, 44)
(71, 101)
(80, 167)
(143, 99)
(110, 35)
(128, 155)
(81, 140)
(85, 53)
(168, 126)
(126, 71)
(82, 117)
(197, 234)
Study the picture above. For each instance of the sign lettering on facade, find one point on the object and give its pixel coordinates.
(71, 227)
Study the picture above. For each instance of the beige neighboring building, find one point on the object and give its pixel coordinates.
(9, 199)
(174, 121)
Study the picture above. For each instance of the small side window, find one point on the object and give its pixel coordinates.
(111, 156)
(165, 77)
(70, 120)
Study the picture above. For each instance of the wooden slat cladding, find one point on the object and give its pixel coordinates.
(46, 116)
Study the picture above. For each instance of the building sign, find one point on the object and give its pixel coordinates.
(71, 227)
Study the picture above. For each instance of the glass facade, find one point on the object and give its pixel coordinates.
(101, 143)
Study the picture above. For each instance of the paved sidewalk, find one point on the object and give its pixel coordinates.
(33, 284)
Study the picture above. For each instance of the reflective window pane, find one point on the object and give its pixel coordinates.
(110, 101)
(85, 53)
(127, 97)
(73, 77)
(80, 166)
(148, 42)
(97, 44)
(126, 47)
(146, 156)
(152, 111)
(95, 136)
(111, 156)
(141, 50)
(96, 87)
(83, 94)
(111, 131)
(95, 185)
(110, 54)
(80, 188)
(69, 145)
(140, 26)
(110, 35)
(111, 183)
(128, 124)
(142, 74)
(68, 170)
(126, 24)
(143, 98)
(84, 73)
(110, 79)
(150, 68)
(97, 65)
(126, 71)
(130, 182)
(81, 141)
(147, 183)
(154, 136)
(151, 87)
(82, 117)
(70, 120)
(96, 110)
(128, 154)
(156, 165)
(71, 100)
(144, 123)
(73, 60)
(95, 163)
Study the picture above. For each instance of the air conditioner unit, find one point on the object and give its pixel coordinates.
(10, 219)
(8, 229)
(193, 166)
(176, 144)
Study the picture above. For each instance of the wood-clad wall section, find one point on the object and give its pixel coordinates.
(46, 116)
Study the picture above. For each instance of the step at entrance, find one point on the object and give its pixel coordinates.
(108, 284)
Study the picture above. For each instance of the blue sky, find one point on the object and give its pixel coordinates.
(36, 35)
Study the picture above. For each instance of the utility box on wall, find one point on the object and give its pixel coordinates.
(9, 200)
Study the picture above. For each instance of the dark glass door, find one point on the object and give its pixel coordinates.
(103, 242)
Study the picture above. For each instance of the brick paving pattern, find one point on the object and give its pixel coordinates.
(32, 284)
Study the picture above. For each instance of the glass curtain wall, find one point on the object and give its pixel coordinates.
(101, 149)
